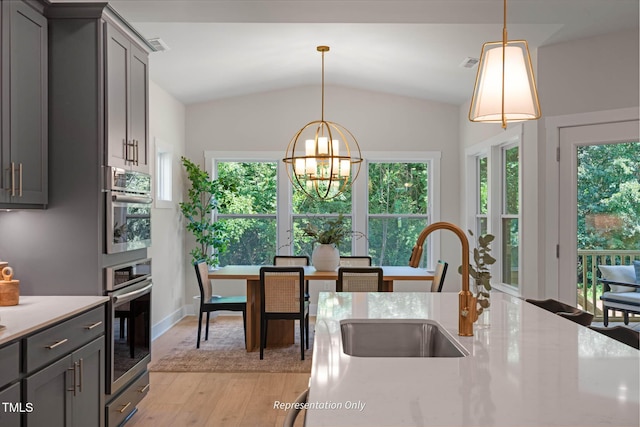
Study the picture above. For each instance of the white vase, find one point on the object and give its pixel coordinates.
(325, 257)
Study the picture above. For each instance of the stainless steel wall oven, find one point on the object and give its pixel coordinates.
(129, 327)
(128, 221)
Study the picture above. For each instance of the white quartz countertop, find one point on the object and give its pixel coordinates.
(36, 312)
(529, 367)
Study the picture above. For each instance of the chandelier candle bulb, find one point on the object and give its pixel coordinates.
(345, 168)
(300, 167)
(310, 147)
(323, 145)
(312, 167)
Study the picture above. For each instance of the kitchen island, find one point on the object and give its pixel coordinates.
(528, 367)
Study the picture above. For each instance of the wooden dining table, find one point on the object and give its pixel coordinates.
(281, 332)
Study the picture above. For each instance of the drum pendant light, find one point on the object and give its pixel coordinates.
(505, 89)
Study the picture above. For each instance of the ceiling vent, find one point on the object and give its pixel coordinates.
(469, 62)
(158, 44)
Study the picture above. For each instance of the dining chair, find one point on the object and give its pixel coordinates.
(282, 297)
(294, 260)
(620, 333)
(564, 310)
(355, 261)
(359, 279)
(438, 276)
(209, 302)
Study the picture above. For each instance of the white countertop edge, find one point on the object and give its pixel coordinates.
(37, 312)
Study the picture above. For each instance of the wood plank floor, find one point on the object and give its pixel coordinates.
(215, 399)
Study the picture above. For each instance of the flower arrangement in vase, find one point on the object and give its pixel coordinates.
(479, 270)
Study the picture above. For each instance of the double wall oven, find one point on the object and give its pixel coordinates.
(129, 327)
(128, 284)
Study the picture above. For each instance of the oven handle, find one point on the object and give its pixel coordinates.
(129, 296)
(132, 199)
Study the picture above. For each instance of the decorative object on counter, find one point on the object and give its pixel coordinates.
(481, 272)
(9, 288)
(320, 167)
(202, 200)
(467, 313)
(325, 256)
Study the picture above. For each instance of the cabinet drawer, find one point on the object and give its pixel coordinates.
(122, 406)
(9, 363)
(57, 341)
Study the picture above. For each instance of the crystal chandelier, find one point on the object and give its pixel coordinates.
(323, 158)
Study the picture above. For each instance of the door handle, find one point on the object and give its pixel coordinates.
(75, 378)
(80, 369)
(13, 179)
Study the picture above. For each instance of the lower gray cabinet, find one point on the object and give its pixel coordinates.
(69, 392)
(10, 416)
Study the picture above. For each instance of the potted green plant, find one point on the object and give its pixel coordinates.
(325, 255)
(479, 270)
(202, 200)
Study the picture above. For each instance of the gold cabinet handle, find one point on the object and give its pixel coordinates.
(56, 344)
(80, 370)
(144, 389)
(95, 325)
(124, 408)
(13, 179)
(125, 150)
(20, 173)
(75, 378)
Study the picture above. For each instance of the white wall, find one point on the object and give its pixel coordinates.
(267, 121)
(167, 124)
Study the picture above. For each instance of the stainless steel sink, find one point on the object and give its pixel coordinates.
(398, 338)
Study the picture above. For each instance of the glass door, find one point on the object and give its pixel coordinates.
(599, 198)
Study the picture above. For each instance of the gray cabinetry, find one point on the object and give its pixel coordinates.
(127, 102)
(68, 392)
(9, 386)
(55, 376)
(24, 106)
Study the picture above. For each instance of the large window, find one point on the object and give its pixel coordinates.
(494, 194)
(398, 210)
(249, 211)
(510, 219)
(264, 214)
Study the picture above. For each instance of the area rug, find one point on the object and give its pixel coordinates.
(225, 350)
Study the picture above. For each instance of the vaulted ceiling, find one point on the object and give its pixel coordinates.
(224, 48)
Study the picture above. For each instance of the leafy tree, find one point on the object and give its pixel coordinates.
(609, 196)
(202, 200)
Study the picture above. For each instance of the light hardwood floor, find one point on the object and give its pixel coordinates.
(215, 399)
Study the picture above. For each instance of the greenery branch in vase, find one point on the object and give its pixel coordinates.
(202, 200)
(479, 270)
(325, 256)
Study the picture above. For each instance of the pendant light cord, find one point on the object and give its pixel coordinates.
(504, 59)
(322, 112)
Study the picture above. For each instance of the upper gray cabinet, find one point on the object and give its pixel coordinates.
(127, 78)
(24, 106)
(99, 97)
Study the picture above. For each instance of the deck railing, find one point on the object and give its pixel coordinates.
(588, 286)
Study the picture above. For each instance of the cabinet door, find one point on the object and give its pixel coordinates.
(88, 403)
(10, 416)
(119, 147)
(28, 106)
(51, 392)
(139, 107)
